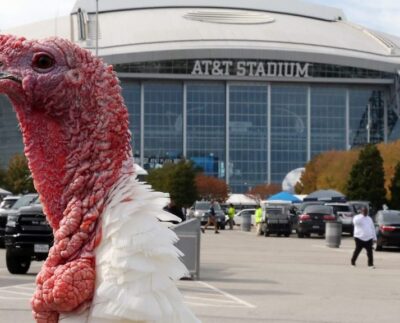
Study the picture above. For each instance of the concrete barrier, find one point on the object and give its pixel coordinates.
(189, 243)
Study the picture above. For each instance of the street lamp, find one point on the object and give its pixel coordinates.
(97, 27)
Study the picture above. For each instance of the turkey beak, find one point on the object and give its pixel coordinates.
(8, 76)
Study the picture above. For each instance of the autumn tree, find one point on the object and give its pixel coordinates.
(263, 191)
(395, 189)
(367, 178)
(211, 188)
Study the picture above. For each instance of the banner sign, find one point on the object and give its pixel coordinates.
(251, 68)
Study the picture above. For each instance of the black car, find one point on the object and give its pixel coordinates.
(313, 219)
(28, 236)
(387, 224)
(278, 220)
(24, 200)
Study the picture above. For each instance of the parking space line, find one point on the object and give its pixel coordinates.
(226, 294)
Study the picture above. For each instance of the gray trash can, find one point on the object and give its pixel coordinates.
(246, 221)
(333, 234)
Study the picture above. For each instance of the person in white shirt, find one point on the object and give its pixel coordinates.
(364, 236)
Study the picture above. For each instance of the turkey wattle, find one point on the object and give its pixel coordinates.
(111, 261)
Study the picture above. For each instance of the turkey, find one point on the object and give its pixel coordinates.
(112, 260)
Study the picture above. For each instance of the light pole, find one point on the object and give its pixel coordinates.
(97, 27)
(368, 123)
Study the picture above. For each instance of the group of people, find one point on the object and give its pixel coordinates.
(364, 230)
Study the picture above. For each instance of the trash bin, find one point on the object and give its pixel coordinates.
(333, 234)
(246, 221)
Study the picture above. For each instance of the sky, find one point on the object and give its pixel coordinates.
(382, 15)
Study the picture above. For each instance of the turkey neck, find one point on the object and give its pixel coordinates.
(76, 156)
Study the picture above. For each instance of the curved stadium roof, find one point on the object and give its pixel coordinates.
(150, 30)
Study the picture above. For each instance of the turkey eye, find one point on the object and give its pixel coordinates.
(43, 62)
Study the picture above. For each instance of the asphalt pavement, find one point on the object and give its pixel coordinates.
(245, 278)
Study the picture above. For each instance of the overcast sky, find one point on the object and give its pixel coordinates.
(383, 15)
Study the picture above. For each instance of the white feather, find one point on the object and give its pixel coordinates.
(136, 262)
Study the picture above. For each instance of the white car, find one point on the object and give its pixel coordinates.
(238, 218)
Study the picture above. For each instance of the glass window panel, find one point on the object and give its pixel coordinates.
(328, 119)
(131, 94)
(247, 136)
(288, 129)
(163, 122)
(206, 126)
(10, 134)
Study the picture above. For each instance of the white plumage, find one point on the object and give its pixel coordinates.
(136, 261)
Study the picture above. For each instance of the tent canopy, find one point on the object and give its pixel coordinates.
(284, 196)
(325, 195)
(240, 199)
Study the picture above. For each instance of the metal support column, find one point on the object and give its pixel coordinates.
(347, 120)
(269, 134)
(184, 117)
(385, 121)
(227, 162)
(308, 123)
(141, 124)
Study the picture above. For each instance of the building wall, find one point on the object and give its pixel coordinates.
(249, 133)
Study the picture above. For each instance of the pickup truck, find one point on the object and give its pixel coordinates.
(28, 237)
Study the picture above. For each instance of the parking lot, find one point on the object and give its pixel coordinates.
(245, 278)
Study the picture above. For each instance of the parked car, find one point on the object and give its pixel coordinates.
(201, 209)
(28, 237)
(358, 205)
(344, 213)
(238, 218)
(313, 220)
(8, 202)
(277, 220)
(23, 200)
(387, 223)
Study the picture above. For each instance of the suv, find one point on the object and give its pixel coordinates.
(24, 200)
(277, 219)
(28, 236)
(344, 213)
(200, 210)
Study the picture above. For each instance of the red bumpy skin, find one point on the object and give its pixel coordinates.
(75, 130)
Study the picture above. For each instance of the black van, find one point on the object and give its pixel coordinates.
(278, 220)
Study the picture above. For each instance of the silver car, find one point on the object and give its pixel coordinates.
(201, 211)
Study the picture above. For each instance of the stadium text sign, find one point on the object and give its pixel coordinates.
(250, 68)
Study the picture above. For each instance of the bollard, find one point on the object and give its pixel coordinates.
(246, 221)
(333, 234)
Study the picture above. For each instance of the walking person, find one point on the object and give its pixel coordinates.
(212, 219)
(258, 219)
(364, 236)
(231, 214)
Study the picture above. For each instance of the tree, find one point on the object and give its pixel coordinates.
(183, 190)
(18, 178)
(211, 188)
(261, 192)
(367, 178)
(395, 189)
(176, 179)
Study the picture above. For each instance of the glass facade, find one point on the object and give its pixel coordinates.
(248, 133)
(163, 122)
(328, 122)
(10, 135)
(288, 129)
(248, 136)
(206, 126)
(132, 94)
